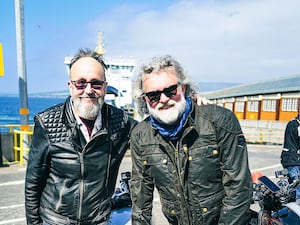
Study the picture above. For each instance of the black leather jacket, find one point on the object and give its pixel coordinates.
(203, 179)
(69, 181)
(290, 155)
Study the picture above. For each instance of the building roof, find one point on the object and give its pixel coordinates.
(280, 85)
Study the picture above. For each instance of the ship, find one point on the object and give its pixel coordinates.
(119, 75)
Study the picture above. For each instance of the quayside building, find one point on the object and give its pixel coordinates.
(263, 108)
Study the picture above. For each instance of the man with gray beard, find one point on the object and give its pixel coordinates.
(76, 151)
(196, 156)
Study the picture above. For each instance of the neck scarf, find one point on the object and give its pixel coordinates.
(172, 132)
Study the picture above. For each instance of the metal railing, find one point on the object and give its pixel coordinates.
(11, 127)
(264, 137)
(253, 134)
(22, 141)
(263, 132)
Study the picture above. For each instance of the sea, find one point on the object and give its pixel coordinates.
(10, 107)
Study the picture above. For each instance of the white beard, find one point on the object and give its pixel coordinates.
(171, 115)
(87, 111)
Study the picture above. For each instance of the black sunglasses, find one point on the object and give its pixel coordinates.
(81, 84)
(154, 96)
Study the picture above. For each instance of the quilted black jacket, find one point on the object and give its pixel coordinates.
(69, 181)
(203, 179)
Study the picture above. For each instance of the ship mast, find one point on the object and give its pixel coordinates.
(100, 47)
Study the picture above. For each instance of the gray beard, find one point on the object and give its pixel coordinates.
(169, 116)
(87, 112)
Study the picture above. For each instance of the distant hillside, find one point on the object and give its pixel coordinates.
(211, 86)
(58, 94)
(203, 87)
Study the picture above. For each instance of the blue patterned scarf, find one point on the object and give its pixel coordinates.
(172, 132)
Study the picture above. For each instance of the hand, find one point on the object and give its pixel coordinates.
(202, 101)
(265, 219)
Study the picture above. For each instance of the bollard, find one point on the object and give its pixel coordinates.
(1, 159)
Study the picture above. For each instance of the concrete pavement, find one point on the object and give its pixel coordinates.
(265, 158)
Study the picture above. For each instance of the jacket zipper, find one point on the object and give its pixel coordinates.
(81, 185)
(178, 169)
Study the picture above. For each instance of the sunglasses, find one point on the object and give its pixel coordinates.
(81, 84)
(154, 96)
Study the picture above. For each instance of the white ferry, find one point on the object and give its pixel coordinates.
(119, 77)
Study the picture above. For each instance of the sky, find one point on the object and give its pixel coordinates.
(232, 41)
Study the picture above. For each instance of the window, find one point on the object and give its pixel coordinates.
(239, 106)
(252, 106)
(269, 105)
(229, 105)
(290, 104)
(220, 102)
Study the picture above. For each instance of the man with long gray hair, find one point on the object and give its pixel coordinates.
(196, 156)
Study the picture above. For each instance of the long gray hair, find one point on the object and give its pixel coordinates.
(157, 64)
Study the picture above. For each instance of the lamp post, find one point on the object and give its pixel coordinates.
(23, 98)
(24, 112)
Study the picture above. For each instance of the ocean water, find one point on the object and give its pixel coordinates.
(10, 106)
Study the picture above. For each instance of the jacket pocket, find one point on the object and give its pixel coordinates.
(170, 211)
(157, 164)
(204, 170)
(54, 218)
(208, 211)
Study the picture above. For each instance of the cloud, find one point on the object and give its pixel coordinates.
(215, 40)
(232, 41)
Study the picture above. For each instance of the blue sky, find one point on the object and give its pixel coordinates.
(239, 41)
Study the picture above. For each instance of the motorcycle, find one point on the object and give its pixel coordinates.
(276, 201)
(121, 202)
